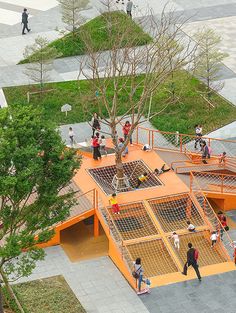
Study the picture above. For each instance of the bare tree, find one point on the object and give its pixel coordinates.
(71, 13)
(40, 55)
(133, 72)
(208, 59)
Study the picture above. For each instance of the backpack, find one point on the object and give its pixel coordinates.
(196, 255)
(135, 274)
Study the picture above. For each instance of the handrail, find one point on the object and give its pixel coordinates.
(182, 134)
(193, 181)
(177, 141)
(207, 181)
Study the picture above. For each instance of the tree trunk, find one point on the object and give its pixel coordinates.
(11, 292)
(119, 165)
(1, 300)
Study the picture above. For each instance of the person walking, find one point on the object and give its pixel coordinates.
(24, 21)
(129, 8)
(192, 258)
(72, 137)
(95, 123)
(138, 272)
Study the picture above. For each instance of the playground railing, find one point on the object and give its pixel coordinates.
(197, 193)
(215, 182)
(179, 142)
(83, 202)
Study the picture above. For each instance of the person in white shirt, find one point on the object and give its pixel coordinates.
(71, 136)
(146, 147)
(213, 238)
(198, 133)
(102, 143)
(129, 8)
(191, 227)
(176, 240)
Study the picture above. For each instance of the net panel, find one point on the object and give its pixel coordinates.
(175, 141)
(201, 241)
(133, 221)
(155, 257)
(104, 176)
(173, 212)
(220, 183)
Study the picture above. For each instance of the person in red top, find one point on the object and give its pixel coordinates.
(223, 221)
(96, 151)
(126, 130)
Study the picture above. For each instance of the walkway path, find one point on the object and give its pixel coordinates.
(97, 283)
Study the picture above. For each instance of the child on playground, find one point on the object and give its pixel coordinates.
(121, 145)
(190, 227)
(162, 170)
(146, 147)
(176, 240)
(103, 144)
(142, 178)
(222, 158)
(114, 204)
(213, 238)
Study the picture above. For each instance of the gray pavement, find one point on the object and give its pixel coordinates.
(215, 294)
(97, 283)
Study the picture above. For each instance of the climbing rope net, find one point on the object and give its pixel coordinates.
(108, 181)
(144, 229)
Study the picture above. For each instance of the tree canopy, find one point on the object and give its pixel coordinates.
(34, 167)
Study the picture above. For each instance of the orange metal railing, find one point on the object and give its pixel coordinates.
(215, 182)
(181, 142)
(197, 192)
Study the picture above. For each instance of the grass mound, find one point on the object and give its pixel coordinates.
(110, 25)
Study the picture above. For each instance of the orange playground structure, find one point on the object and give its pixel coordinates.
(191, 191)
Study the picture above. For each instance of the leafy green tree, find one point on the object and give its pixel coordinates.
(40, 56)
(208, 60)
(34, 167)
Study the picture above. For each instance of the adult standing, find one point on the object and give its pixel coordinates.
(138, 272)
(192, 258)
(205, 152)
(198, 133)
(126, 130)
(24, 21)
(72, 137)
(96, 151)
(129, 7)
(95, 123)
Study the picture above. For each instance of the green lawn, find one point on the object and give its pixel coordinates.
(97, 30)
(182, 116)
(50, 295)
